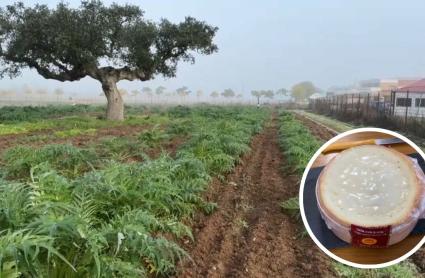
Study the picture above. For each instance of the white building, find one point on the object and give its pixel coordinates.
(409, 99)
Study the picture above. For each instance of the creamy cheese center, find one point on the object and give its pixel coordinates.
(369, 186)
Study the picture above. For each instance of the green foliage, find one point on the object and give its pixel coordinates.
(263, 93)
(180, 127)
(401, 270)
(298, 144)
(219, 144)
(303, 90)
(292, 207)
(20, 250)
(179, 111)
(152, 137)
(75, 132)
(116, 220)
(15, 204)
(71, 122)
(23, 127)
(228, 93)
(329, 122)
(67, 44)
(35, 113)
(69, 160)
(119, 148)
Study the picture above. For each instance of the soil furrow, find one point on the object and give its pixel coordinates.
(249, 235)
(319, 131)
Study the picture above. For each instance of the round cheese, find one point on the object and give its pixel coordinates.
(369, 186)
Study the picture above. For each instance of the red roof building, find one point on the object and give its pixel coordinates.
(414, 87)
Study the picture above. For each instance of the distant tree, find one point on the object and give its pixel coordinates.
(303, 90)
(27, 91)
(160, 90)
(268, 94)
(183, 91)
(107, 43)
(147, 91)
(257, 94)
(239, 97)
(282, 92)
(215, 94)
(41, 93)
(199, 94)
(228, 93)
(59, 93)
(135, 93)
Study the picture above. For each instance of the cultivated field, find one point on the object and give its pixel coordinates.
(188, 192)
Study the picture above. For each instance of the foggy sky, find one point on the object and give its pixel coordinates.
(274, 44)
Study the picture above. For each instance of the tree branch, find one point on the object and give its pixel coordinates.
(68, 75)
(124, 73)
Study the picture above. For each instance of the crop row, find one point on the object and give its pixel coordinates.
(298, 146)
(15, 114)
(62, 216)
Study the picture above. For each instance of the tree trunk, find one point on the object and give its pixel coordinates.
(115, 106)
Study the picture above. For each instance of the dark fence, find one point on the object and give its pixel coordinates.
(402, 111)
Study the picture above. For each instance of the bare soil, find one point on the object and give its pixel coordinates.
(321, 132)
(249, 235)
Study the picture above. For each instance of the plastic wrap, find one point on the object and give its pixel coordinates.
(396, 233)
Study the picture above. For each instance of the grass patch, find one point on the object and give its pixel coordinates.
(296, 141)
(74, 132)
(329, 122)
(401, 270)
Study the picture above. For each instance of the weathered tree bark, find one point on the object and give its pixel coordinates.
(115, 106)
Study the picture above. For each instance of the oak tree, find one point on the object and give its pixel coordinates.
(303, 90)
(107, 43)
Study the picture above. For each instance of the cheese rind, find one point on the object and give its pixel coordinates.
(369, 186)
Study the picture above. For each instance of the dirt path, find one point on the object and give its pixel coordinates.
(249, 235)
(317, 130)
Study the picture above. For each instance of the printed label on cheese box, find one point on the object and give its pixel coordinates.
(376, 237)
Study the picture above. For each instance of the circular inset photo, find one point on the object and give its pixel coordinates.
(362, 198)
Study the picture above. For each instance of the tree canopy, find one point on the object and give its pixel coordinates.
(262, 93)
(107, 43)
(228, 93)
(303, 90)
(183, 91)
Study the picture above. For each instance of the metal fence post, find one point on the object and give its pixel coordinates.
(367, 106)
(358, 106)
(407, 109)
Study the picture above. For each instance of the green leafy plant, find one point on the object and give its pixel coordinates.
(152, 137)
(86, 213)
(297, 143)
(68, 159)
(292, 207)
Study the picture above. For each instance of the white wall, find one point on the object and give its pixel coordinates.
(412, 111)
